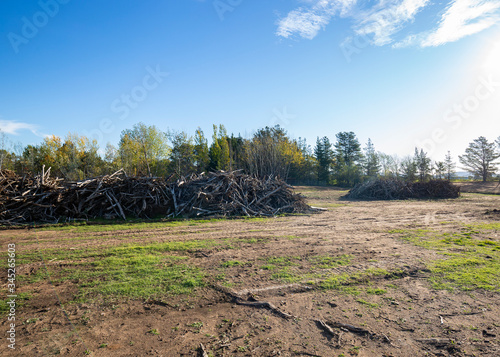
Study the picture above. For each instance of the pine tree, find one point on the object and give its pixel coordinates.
(324, 156)
(440, 169)
(371, 162)
(348, 157)
(423, 164)
(479, 158)
(449, 166)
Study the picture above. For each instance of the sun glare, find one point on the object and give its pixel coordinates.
(491, 63)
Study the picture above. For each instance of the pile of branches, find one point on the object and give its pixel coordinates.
(401, 190)
(45, 199)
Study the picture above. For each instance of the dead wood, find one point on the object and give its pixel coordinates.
(203, 352)
(325, 327)
(41, 198)
(351, 328)
(435, 341)
(237, 299)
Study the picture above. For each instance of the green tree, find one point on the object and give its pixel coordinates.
(201, 156)
(272, 153)
(449, 166)
(439, 169)
(215, 152)
(348, 159)
(423, 164)
(4, 153)
(144, 149)
(236, 151)
(371, 162)
(479, 158)
(182, 156)
(324, 157)
(304, 168)
(225, 157)
(409, 169)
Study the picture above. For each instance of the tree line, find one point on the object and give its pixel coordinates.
(145, 150)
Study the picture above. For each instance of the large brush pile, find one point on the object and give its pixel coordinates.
(400, 190)
(45, 199)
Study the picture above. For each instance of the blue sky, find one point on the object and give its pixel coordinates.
(405, 73)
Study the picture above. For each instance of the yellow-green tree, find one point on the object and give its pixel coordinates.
(144, 150)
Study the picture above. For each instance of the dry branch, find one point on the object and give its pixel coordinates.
(44, 199)
(236, 298)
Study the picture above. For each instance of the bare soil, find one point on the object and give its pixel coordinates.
(407, 318)
(480, 187)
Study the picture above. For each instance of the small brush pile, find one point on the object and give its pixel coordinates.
(400, 190)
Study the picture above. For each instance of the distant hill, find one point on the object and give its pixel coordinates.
(462, 174)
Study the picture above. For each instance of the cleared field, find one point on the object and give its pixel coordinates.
(480, 187)
(414, 277)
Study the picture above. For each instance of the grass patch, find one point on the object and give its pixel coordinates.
(375, 291)
(349, 283)
(282, 261)
(103, 252)
(231, 263)
(329, 262)
(106, 226)
(131, 270)
(471, 258)
(366, 303)
(140, 276)
(287, 275)
(21, 300)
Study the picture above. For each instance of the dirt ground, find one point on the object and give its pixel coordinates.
(384, 305)
(480, 187)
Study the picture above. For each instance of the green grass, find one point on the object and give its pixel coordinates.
(282, 261)
(231, 263)
(329, 262)
(351, 283)
(375, 291)
(197, 325)
(366, 303)
(130, 270)
(471, 259)
(287, 275)
(107, 226)
(21, 301)
(102, 252)
(140, 276)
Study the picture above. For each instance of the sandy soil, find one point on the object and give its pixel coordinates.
(409, 319)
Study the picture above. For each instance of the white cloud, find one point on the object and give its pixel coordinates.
(385, 20)
(463, 18)
(308, 22)
(380, 23)
(13, 127)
